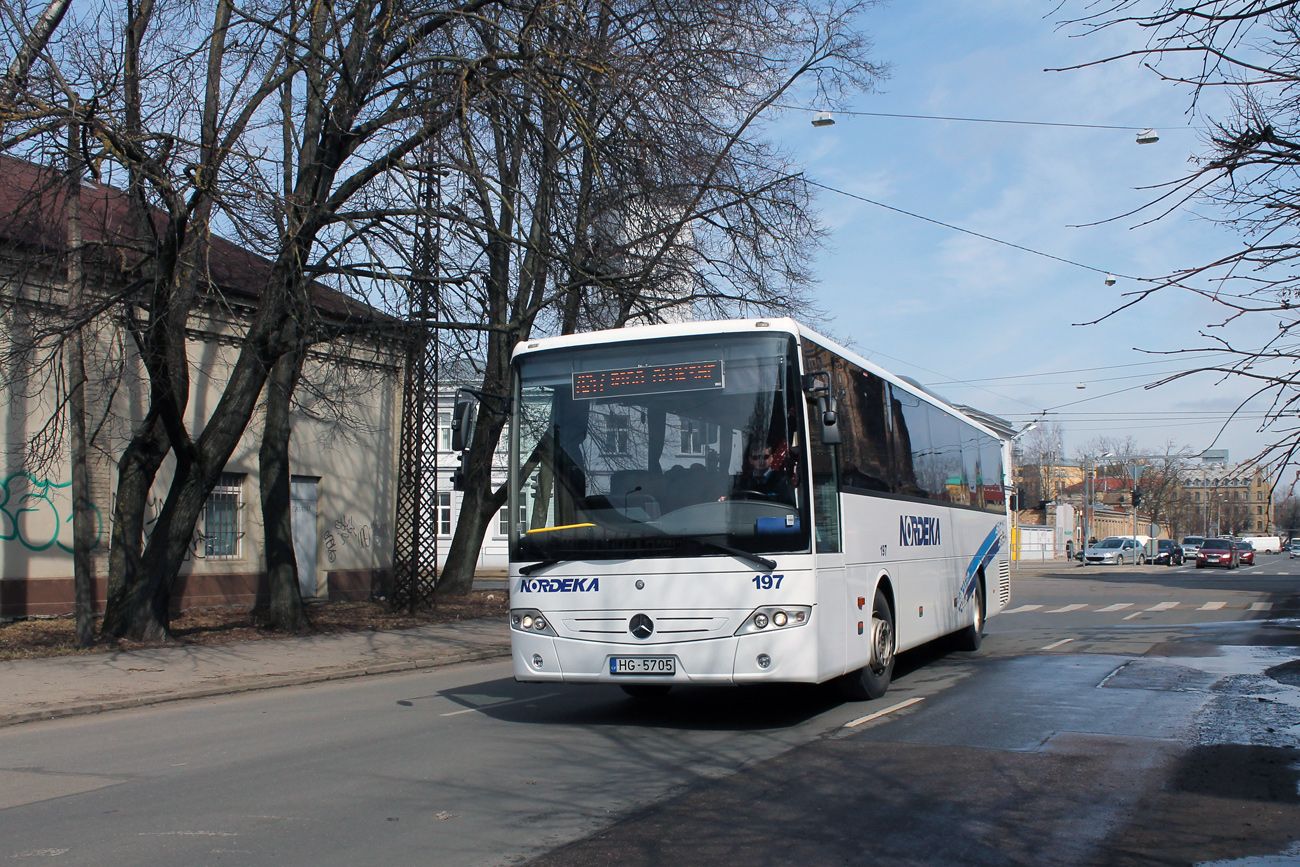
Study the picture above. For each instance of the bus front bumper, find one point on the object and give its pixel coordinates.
(782, 656)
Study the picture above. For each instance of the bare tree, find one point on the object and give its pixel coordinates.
(622, 177)
(177, 98)
(1041, 453)
(1244, 179)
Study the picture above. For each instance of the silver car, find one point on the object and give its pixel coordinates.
(1295, 550)
(1115, 551)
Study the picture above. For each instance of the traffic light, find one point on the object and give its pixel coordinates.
(1137, 497)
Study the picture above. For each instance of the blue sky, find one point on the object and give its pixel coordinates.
(957, 312)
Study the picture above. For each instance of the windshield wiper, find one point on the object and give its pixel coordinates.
(765, 563)
(533, 567)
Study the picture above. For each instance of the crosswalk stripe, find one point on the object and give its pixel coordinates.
(1118, 606)
(1023, 608)
(1075, 607)
(1211, 606)
(1163, 606)
(1260, 606)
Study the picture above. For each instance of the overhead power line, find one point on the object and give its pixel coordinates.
(983, 119)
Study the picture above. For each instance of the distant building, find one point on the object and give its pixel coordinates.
(1229, 499)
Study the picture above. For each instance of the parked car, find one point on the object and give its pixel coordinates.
(1295, 549)
(1192, 544)
(1169, 553)
(1245, 552)
(1218, 552)
(1115, 550)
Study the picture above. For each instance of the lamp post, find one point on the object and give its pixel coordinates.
(1015, 496)
(1089, 477)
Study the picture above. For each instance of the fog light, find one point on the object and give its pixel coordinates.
(537, 660)
(764, 660)
(779, 618)
(760, 620)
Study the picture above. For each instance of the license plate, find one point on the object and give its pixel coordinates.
(642, 665)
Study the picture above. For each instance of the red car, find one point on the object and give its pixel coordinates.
(1245, 553)
(1218, 552)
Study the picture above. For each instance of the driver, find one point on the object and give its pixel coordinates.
(759, 481)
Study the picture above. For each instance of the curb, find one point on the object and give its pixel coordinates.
(251, 684)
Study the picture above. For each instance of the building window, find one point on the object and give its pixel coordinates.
(444, 513)
(1198, 496)
(1259, 525)
(503, 519)
(696, 435)
(223, 518)
(616, 434)
(444, 431)
(1259, 495)
(1259, 510)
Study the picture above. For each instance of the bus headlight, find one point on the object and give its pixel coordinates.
(775, 617)
(530, 620)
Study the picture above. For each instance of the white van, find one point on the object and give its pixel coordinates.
(1265, 544)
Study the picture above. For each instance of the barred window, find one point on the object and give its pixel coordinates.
(223, 518)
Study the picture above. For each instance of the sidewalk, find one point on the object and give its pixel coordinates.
(35, 689)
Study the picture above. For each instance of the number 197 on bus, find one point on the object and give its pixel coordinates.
(768, 582)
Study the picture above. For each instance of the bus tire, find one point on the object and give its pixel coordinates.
(646, 690)
(969, 638)
(872, 680)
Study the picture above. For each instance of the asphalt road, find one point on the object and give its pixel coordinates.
(1116, 716)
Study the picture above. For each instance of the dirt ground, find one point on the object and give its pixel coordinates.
(53, 636)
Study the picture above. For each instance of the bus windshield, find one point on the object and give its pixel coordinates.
(671, 447)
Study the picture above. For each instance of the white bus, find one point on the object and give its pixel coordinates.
(643, 552)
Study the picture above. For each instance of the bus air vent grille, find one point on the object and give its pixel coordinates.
(1004, 582)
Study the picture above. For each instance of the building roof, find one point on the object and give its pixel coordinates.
(34, 213)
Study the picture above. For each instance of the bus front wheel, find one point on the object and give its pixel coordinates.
(872, 680)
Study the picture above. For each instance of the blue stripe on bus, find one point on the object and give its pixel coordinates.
(987, 551)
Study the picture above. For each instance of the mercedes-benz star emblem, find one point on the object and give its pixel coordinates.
(641, 626)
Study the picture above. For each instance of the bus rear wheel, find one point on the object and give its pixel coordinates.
(970, 637)
(646, 690)
(872, 680)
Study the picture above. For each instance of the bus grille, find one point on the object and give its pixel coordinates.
(1004, 582)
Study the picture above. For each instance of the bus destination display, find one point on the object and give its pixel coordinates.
(659, 379)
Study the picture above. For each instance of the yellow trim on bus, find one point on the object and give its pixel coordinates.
(553, 529)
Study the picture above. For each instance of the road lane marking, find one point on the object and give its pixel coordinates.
(500, 704)
(1211, 606)
(1118, 606)
(878, 714)
(1023, 608)
(1075, 607)
(1260, 606)
(1163, 606)
(1057, 644)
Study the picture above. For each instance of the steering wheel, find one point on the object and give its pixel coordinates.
(749, 494)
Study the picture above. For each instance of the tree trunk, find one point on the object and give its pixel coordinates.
(285, 609)
(83, 511)
(124, 612)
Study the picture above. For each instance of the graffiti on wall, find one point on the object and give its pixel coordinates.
(345, 530)
(37, 513)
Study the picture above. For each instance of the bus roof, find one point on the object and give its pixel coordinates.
(728, 326)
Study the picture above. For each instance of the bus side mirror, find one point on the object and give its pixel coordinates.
(818, 386)
(462, 421)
